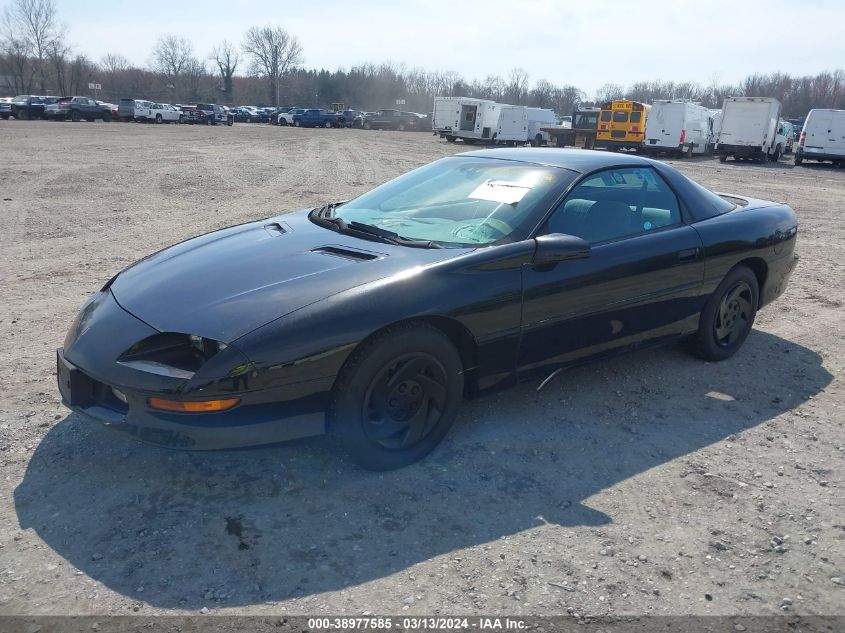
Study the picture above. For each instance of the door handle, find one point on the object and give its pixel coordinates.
(688, 254)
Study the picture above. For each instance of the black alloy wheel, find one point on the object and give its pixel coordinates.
(397, 396)
(728, 316)
(404, 401)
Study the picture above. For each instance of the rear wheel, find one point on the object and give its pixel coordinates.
(728, 316)
(328, 124)
(181, 118)
(763, 158)
(159, 119)
(723, 158)
(106, 117)
(450, 139)
(74, 116)
(537, 141)
(776, 156)
(401, 126)
(368, 125)
(396, 397)
(798, 158)
(687, 153)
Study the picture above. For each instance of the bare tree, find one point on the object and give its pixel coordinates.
(174, 62)
(31, 27)
(114, 63)
(226, 57)
(273, 52)
(609, 92)
(517, 88)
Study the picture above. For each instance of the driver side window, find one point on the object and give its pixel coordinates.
(614, 204)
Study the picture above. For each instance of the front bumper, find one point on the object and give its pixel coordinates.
(251, 423)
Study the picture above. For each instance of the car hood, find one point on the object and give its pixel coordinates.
(227, 283)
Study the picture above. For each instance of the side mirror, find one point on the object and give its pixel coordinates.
(558, 247)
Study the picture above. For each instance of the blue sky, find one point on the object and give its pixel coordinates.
(585, 43)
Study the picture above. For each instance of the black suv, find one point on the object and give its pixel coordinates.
(210, 114)
(76, 109)
(30, 106)
(390, 120)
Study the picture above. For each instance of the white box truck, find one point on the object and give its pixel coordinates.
(677, 127)
(473, 120)
(822, 137)
(749, 129)
(521, 124)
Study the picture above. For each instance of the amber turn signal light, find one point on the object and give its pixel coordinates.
(195, 406)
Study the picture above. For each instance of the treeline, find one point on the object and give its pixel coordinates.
(266, 69)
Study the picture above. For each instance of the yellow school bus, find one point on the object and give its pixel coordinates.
(622, 125)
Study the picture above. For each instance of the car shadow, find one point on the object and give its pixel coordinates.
(185, 530)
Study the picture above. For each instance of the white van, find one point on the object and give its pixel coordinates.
(822, 137)
(677, 127)
(521, 124)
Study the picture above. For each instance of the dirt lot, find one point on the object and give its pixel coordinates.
(654, 483)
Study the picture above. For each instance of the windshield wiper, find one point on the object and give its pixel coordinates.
(366, 231)
(327, 210)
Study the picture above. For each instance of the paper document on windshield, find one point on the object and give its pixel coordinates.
(500, 191)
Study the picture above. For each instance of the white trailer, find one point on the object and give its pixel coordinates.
(521, 124)
(473, 120)
(749, 129)
(677, 127)
(715, 124)
(822, 137)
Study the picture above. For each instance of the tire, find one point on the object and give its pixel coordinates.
(798, 158)
(23, 115)
(408, 373)
(687, 153)
(327, 124)
(401, 126)
(763, 158)
(208, 120)
(181, 118)
(159, 119)
(776, 156)
(451, 139)
(723, 158)
(283, 122)
(537, 141)
(74, 116)
(106, 117)
(728, 315)
(368, 125)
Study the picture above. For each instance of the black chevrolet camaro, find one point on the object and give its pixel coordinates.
(372, 319)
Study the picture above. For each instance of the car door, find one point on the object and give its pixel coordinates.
(640, 282)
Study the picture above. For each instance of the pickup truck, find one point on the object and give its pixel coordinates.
(76, 109)
(286, 118)
(319, 118)
(30, 106)
(135, 110)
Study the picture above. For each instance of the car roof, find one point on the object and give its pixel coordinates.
(580, 160)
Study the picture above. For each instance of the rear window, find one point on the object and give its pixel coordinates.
(636, 117)
(605, 116)
(620, 116)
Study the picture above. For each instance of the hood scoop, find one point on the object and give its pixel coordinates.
(348, 253)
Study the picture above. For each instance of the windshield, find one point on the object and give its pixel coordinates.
(461, 201)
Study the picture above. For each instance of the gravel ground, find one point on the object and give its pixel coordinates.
(650, 484)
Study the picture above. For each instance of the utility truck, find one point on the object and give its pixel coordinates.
(521, 124)
(677, 127)
(749, 129)
(471, 120)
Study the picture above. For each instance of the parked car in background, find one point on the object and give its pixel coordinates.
(5, 107)
(210, 114)
(77, 109)
(354, 118)
(30, 106)
(390, 120)
(314, 117)
(286, 118)
(258, 114)
(166, 113)
(243, 115)
(134, 110)
(110, 106)
(787, 131)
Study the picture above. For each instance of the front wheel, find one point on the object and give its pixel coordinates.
(728, 315)
(396, 397)
(798, 158)
(159, 119)
(368, 125)
(327, 124)
(401, 126)
(181, 118)
(74, 116)
(723, 158)
(106, 117)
